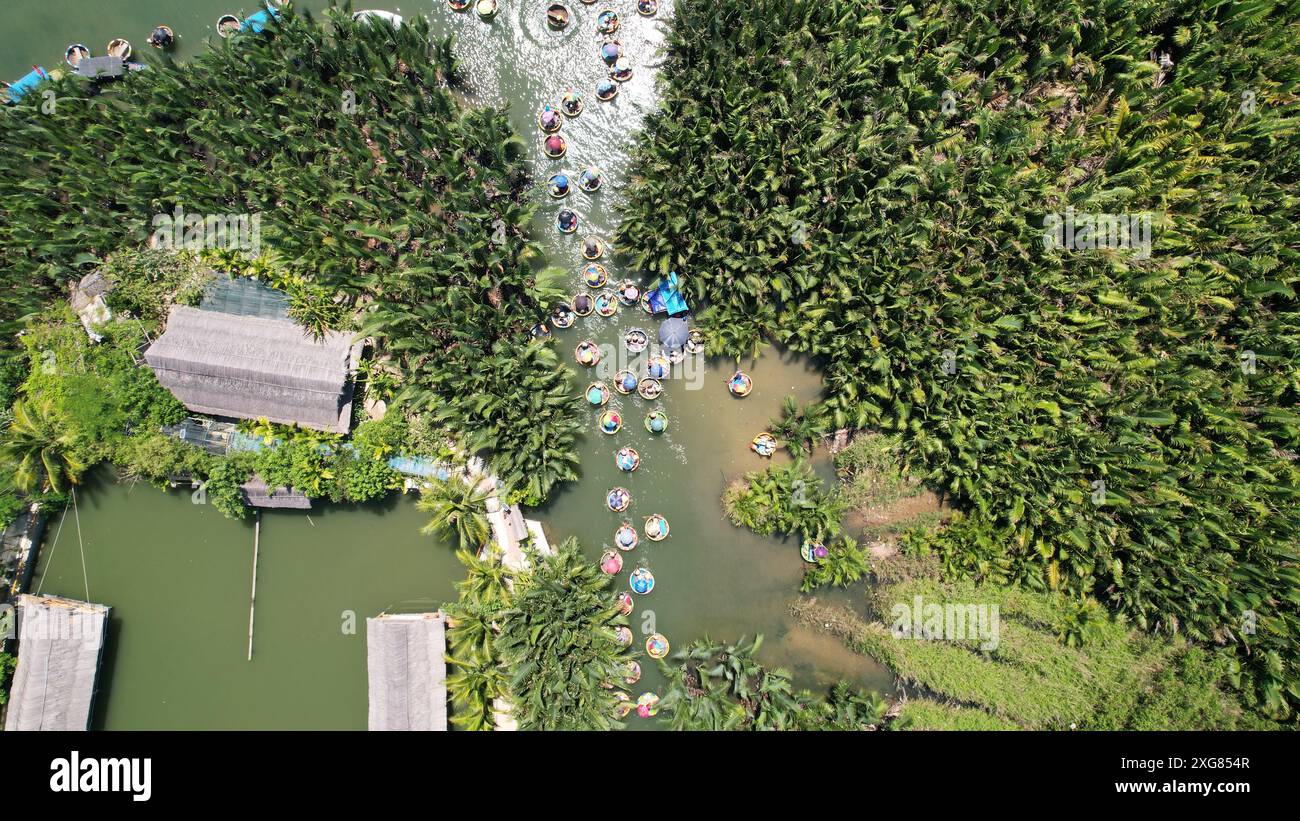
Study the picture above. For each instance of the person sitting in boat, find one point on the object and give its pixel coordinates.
(571, 102)
(162, 37)
(550, 120)
(606, 90)
(567, 221)
(582, 304)
(592, 248)
(647, 8)
(559, 186)
(555, 146)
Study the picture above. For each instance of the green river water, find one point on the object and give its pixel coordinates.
(178, 575)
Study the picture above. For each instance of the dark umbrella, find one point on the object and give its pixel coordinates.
(673, 333)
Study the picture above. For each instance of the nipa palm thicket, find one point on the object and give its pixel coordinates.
(373, 182)
(869, 184)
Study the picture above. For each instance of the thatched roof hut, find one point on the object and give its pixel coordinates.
(407, 670)
(257, 494)
(251, 367)
(60, 645)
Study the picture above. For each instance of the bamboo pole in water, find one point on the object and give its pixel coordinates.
(252, 601)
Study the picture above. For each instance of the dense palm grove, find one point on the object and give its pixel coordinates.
(413, 208)
(870, 184)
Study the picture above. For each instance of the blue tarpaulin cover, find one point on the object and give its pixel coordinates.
(256, 22)
(667, 299)
(29, 81)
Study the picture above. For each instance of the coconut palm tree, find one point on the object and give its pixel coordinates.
(40, 450)
(457, 510)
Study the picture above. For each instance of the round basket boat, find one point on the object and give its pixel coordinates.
(540, 331)
(120, 48)
(642, 581)
(625, 382)
(563, 317)
(162, 37)
(592, 248)
(645, 304)
(618, 499)
(227, 24)
(555, 146)
(626, 538)
(656, 421)
(571, 102)
(459, 5)
(740, 384)
(625, 603)
(623, 635)
(486, 9)
(627, 459)
(629, 292)
(647, 705)
(566, 222)
(764, 444)
(606, 303)
(636, 340)
(558, 185)
(549, 120)
(606, 90)
(650, 389)
(611, 422)
(582, 304)
(611, 562)
(656, 647)
(695, 342)
(595, 275)
(607, 21)
(590, 179)
(587, 353)
(610, 51)
(656, 528)
(597, 394)
(658, 366)
(588, 2)
(676, 355)
(624, 707)
(647, 8)
(813, 552)
(75, 53)
(621, 72)
(633, 673)
(557, 16)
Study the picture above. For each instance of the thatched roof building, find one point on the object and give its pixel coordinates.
(407, 671)
(251, 367)
(60, 645)
(257, 494)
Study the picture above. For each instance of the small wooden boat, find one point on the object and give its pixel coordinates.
(227, 24)
(740, 384)
(606, 90)
(75, 53)
(607, 21)
(656, 528)
(119, 48)
(557, 16)
(611, 422)
(595, 275)
(656, 647)
(642, 581)
(566, 221)
(571, 103)
(606, 304)
(162, 37)
(587, 353)
(636, 340)
(597, 394)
